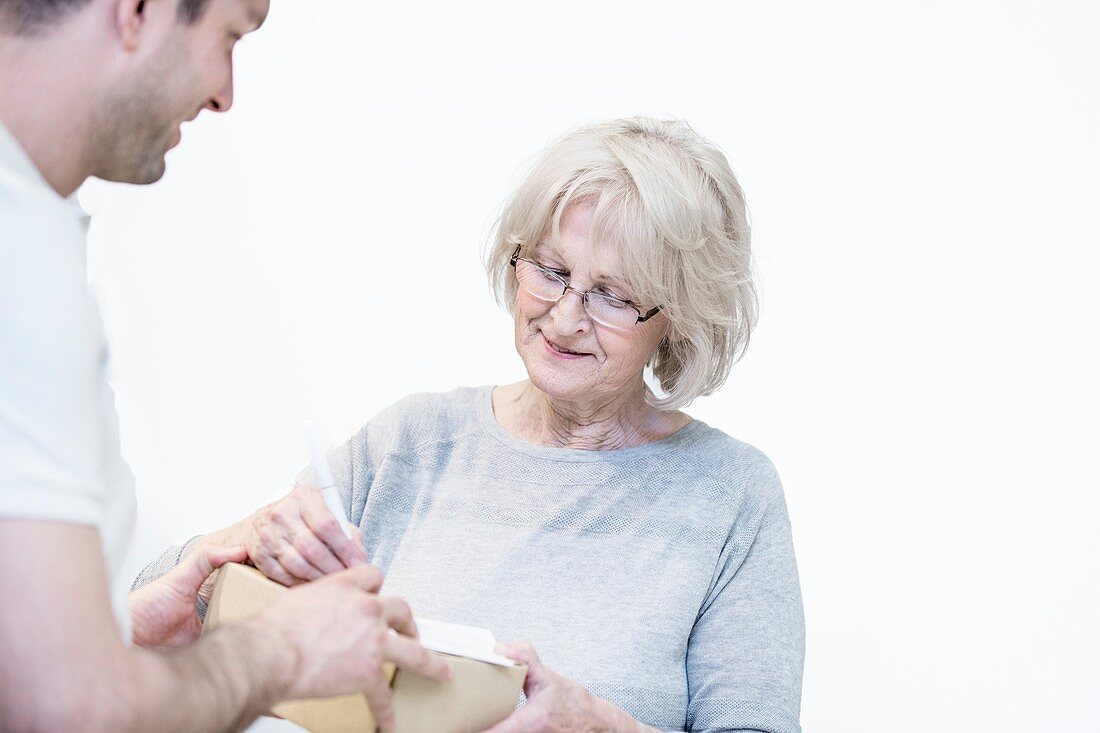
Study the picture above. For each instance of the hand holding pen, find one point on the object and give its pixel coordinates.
(303, 536)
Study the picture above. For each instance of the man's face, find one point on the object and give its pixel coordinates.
(182, 69)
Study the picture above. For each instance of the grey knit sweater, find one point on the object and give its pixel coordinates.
(661, 577)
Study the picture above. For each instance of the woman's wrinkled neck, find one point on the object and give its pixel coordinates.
(612, 423)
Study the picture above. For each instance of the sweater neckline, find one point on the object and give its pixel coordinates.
(490, 425)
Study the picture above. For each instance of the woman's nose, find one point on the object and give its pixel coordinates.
(569, 314)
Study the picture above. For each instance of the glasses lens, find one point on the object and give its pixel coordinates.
(549, 286)
(610, 311)
(540, 283)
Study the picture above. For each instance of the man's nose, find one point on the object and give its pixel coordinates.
(223, 100)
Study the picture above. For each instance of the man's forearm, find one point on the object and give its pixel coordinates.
(64, 665)
(220, 683)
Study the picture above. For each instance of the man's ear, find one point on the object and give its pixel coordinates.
(130, 19)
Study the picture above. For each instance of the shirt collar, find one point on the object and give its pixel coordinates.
(18, 167)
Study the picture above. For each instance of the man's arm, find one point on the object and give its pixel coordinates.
(64, 666)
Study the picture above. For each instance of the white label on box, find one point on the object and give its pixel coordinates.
(462, 641)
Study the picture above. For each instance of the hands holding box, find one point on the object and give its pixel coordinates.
(345, 650)
(429, 692)
(296, 540)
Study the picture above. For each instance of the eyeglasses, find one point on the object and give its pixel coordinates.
(551, 286)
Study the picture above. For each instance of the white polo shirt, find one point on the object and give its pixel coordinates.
(59, 447)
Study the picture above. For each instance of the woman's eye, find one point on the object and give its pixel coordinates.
(550, 275)
(615, 302)
(551, 272)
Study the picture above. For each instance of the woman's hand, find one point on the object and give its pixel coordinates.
(296, 539)
(162, 613)
(556, 704)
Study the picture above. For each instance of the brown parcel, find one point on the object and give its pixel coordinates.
(478, 696)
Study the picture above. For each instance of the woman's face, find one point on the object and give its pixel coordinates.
(568, 356)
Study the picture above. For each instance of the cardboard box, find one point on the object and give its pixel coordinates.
(479, 695)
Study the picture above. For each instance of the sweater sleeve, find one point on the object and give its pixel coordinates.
(745, 653)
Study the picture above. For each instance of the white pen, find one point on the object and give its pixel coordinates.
(325, 482)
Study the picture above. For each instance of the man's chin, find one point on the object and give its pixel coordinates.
(150, 172)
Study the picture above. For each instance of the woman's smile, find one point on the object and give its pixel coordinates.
(560, 351)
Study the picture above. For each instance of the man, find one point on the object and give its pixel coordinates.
(101, 88)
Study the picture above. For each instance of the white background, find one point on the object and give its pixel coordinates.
(923, 180)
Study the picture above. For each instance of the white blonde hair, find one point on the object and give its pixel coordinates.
(668, 200)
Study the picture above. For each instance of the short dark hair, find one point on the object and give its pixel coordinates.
(27, 17)
(190, 11)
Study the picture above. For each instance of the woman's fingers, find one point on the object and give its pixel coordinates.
(284, 548)
(339, 550)
(316, 553)
(538, 677)
(270, 567)
(297, 539)
(296, 565)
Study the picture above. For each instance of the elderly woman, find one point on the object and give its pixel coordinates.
(645, 555)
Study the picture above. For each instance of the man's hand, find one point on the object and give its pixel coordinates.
(339, 631)
(163, 613)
